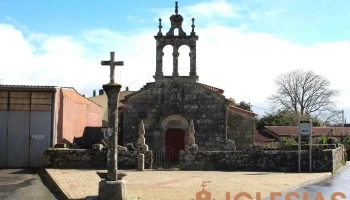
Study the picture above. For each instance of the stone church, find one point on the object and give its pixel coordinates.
(168, 104)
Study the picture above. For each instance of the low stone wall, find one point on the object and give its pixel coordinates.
(256, 159)
(307, 147)
(93, 159)
(339, 157)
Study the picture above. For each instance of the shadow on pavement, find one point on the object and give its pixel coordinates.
(50, 184)
(43, 177)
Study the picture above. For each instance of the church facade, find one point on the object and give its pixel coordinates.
(168, 104)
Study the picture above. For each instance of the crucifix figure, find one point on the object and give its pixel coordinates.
(112, 65)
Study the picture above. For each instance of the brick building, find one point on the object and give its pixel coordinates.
(34, 118)
(167, 105)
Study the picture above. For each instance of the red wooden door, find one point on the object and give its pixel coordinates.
(175, 141)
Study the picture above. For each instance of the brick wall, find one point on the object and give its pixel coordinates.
(73, 113)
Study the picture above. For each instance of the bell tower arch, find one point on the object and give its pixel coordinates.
(176, 40)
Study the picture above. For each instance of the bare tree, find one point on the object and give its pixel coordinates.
(305, 93)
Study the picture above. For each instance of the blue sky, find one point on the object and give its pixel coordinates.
(303, 22)
(243, 45)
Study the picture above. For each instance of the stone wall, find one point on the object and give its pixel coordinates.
(182, 96)
(93, 159)
(339, 157)
(240, 128)
(256, 159)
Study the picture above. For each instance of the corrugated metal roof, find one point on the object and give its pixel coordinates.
(38, 86)
(27, 88)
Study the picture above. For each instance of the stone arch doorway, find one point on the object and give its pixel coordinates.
(174, 134)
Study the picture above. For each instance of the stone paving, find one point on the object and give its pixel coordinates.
(182, 185)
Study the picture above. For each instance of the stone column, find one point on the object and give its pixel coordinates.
(142, 149)
(113, 187)
(141, 162)
(159, 60)
(141, 142)
(176, 61)
(192, 54)
(191, 145)
(191, 139)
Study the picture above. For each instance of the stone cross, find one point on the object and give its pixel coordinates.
(113, 187)
(112, 65)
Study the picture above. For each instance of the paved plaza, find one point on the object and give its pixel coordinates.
(182, 185)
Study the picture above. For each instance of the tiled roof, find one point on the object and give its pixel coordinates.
(258, 138)
(244, 111)
(220, 91)
(316, 131)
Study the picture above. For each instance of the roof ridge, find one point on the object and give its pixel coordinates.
(140, 90)
(243, 110)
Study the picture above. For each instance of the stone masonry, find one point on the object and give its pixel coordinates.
(257, 159)
(171, 102)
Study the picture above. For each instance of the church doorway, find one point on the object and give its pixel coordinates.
(173, 137)
(175, 141)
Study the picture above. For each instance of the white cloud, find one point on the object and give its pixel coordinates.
(212, 9)
(243, 64)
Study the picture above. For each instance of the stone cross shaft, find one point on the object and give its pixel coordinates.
(112, 91)
(112, 65)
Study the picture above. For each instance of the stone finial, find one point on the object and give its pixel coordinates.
(193, 33)
(176, 8)
(160, 27)
(191, 139)
(141, 140)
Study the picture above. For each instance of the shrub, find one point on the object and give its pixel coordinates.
(347, 140)
(322, 140)
(290, 142)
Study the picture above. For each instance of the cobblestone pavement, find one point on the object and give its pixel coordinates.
(182, 185)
